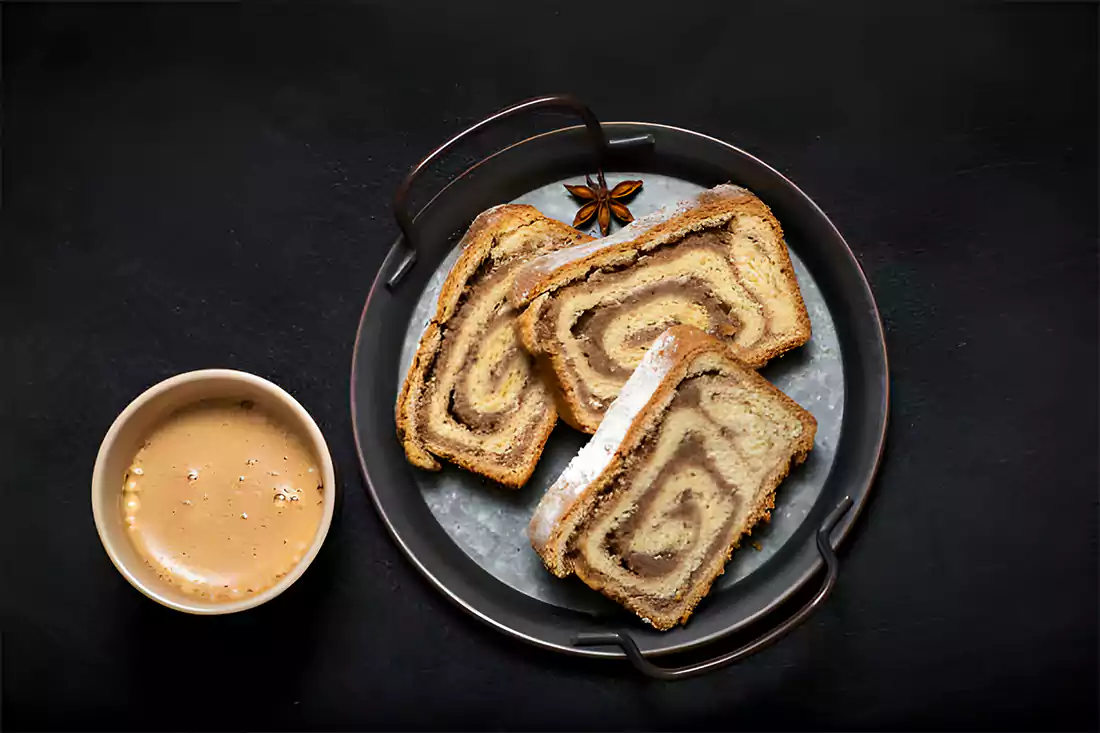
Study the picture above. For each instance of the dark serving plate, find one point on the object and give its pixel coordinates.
(467, 536)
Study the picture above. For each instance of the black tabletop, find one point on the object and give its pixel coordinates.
(190, 186)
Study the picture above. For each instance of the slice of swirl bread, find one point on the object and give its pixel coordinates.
(686, 461)
(471, 395)
(717, 261)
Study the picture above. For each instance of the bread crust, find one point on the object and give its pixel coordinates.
(536, 283)
(688, 344)
(476, 245)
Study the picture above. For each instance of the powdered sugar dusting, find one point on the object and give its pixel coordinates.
(595, 456)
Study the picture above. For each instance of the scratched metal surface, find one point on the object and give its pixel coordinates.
(488, 523)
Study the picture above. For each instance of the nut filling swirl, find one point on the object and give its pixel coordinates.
(471, 396)
(719, 264)
(685, 463)
(689, 493)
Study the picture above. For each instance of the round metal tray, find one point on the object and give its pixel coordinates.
(467, 535)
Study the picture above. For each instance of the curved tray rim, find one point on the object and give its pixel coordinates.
(859, 496)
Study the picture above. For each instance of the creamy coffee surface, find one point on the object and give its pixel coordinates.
(222, 500)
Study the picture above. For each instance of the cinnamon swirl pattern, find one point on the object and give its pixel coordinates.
(718, 263)
(471, 396)
(696, 468)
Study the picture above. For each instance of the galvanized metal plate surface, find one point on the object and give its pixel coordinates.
(489, 522)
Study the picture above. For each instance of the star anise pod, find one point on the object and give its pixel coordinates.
(601, 203)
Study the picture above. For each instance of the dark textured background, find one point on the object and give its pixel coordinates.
(197, 186)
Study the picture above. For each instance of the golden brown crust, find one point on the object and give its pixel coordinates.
(477, 245)
(690, 343)
(536, 283)
(411, 390)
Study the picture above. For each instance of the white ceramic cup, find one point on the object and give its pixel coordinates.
(133, 426)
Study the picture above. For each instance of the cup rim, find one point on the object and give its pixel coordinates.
(100, 485)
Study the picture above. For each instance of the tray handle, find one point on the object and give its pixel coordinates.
(623, 639)
(560, 101)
